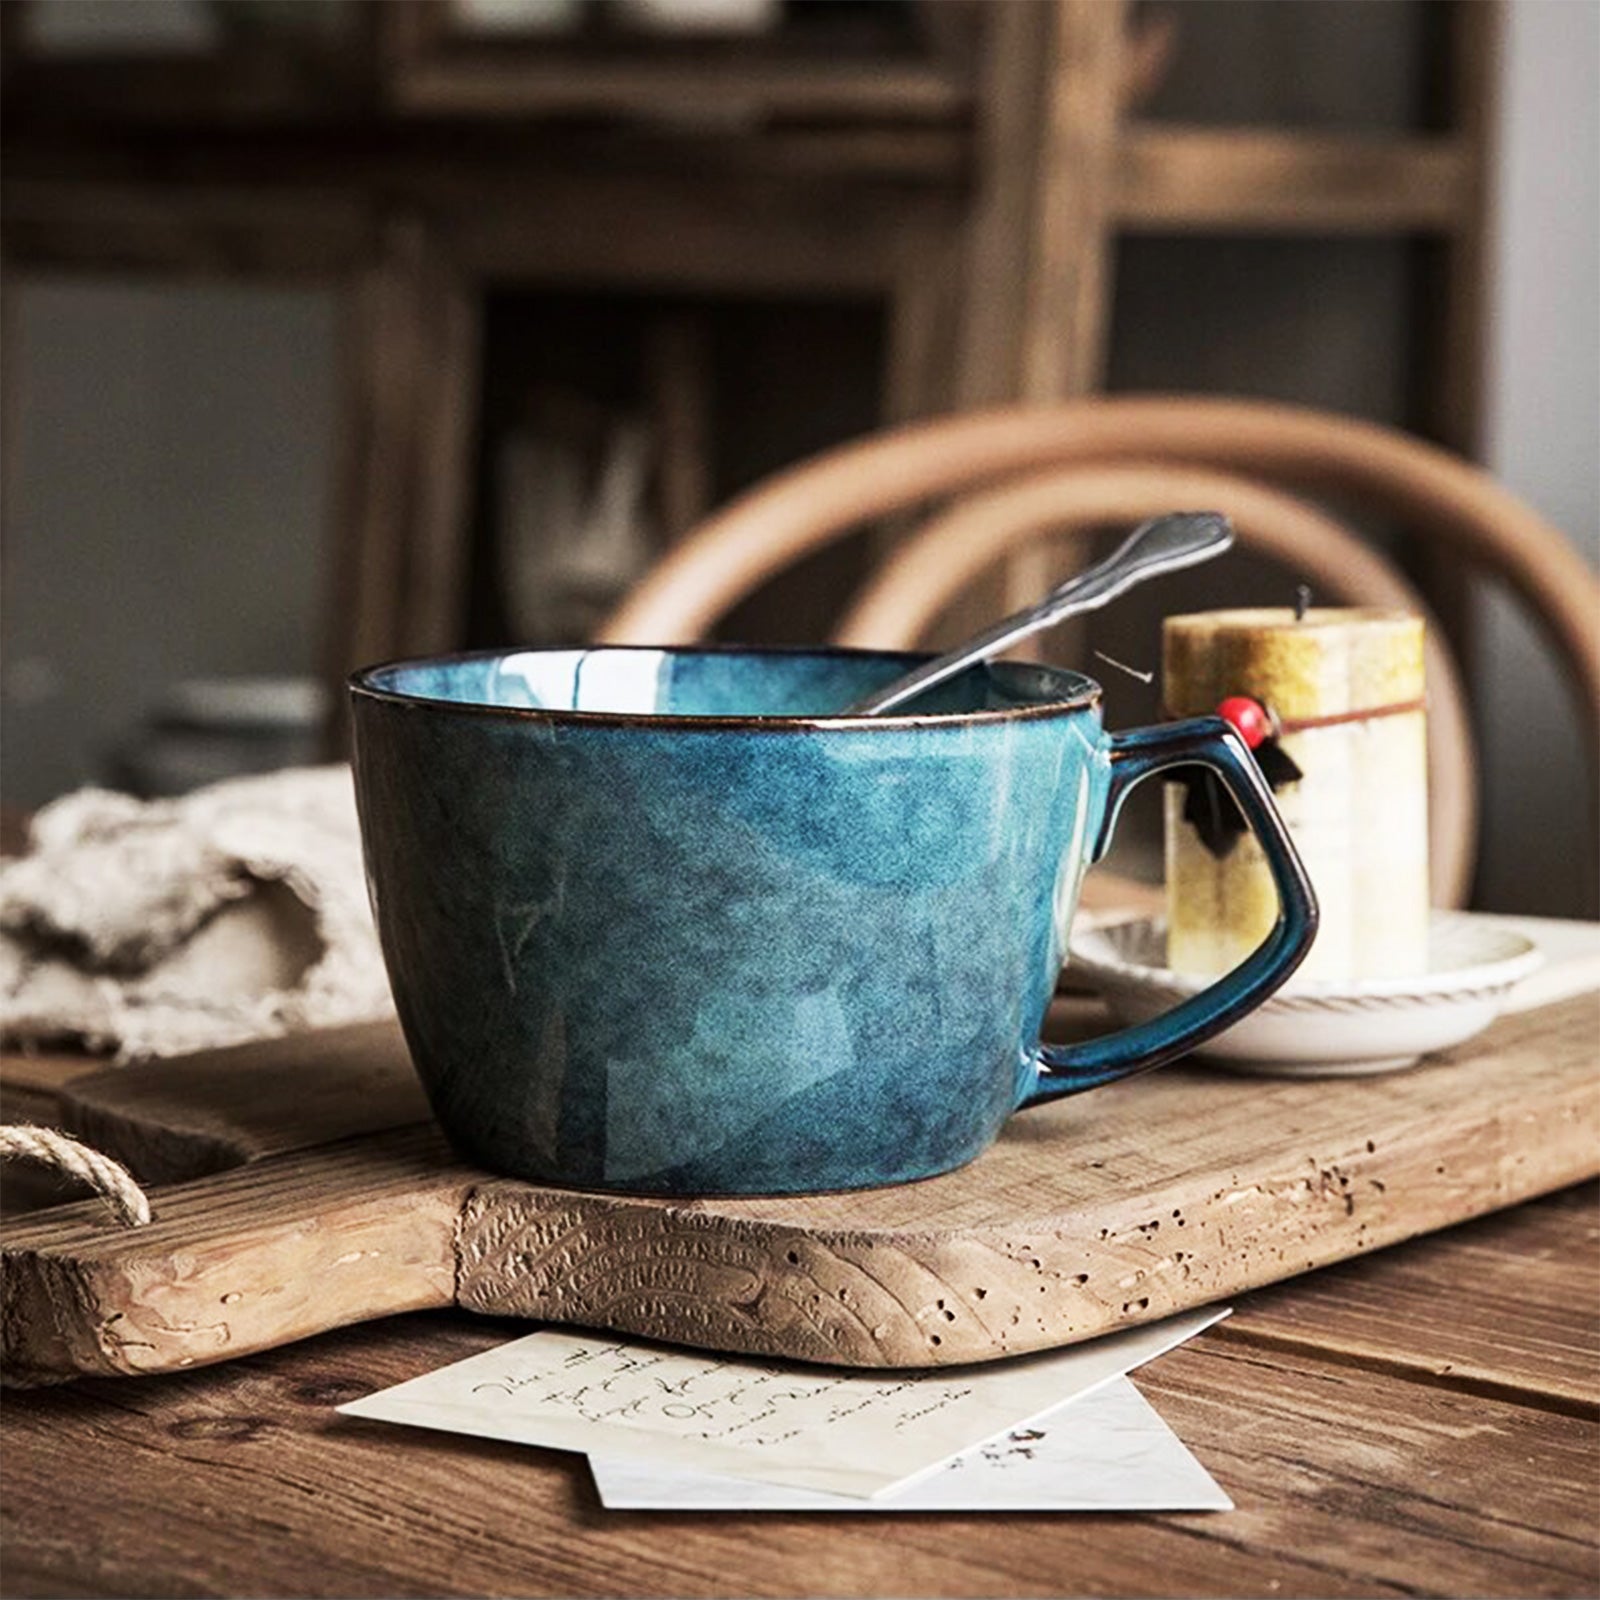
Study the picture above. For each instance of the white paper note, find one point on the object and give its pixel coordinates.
(1105, 1451)
(836, 1431)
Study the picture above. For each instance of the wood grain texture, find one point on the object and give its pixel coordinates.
(1507, 1306)
(1112, 1209)
(257, 1256)
(201, 1114)
(1412, 1487)
(1198, 1187)
(1351, 1479)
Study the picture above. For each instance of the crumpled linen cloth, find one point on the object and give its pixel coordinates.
(152, 928)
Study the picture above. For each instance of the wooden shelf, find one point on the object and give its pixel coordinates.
(832, 66)
(1217, 180)
(402, 62)
(969, 171)
(678, 90)
(414, 159)
(832, 213)
(1166, 179)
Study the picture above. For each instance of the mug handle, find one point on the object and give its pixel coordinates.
(1212, 743)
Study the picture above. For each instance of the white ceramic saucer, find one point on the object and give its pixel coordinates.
(1325, 1029)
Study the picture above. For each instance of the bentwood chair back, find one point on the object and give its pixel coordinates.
(1427, 491)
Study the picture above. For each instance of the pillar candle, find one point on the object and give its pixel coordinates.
(1343, 692)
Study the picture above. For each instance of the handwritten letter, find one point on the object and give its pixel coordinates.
(1106, 1451)
(842, 1432)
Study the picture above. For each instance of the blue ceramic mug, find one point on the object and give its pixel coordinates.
(663, 921)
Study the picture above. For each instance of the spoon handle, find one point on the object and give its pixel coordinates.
(1163, 544)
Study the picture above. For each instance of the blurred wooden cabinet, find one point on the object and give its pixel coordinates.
(964, 170)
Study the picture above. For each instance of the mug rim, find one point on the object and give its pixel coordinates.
(1079, 692)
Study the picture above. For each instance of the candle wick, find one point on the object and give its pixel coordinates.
(1122, 666)
(1302, 601)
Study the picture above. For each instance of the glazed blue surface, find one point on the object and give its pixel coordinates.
(642, 948)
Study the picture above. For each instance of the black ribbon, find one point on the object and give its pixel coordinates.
(1213, 812)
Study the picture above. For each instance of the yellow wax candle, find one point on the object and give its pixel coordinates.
(1344, 689)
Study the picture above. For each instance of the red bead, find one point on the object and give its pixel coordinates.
(1249, 717)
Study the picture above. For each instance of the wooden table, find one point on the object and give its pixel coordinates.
(1422, 1421)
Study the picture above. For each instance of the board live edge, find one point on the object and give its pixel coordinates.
(299, 1187)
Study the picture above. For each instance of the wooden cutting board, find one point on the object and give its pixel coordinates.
(298, 1187)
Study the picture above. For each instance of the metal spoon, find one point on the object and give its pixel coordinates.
(1163, 544)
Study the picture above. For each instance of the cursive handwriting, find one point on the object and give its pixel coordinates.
(754, 1407)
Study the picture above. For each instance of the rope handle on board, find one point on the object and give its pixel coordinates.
(59, 1151)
